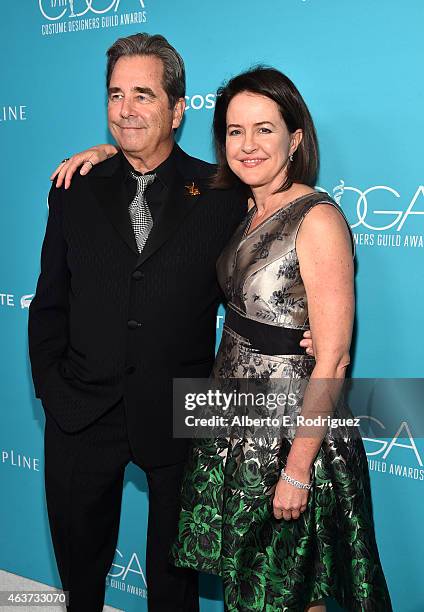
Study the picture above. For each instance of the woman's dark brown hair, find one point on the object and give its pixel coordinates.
(275, 85)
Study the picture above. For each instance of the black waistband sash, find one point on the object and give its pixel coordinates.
(265, 338)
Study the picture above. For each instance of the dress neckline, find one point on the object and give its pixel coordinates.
(278, 210)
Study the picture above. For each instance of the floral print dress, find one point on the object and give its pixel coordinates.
(226, 524)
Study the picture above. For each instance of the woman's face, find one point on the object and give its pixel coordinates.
(258, 142)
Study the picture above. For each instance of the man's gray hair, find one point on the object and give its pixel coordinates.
(173, 80)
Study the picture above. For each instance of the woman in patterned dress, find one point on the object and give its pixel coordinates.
(277, 544)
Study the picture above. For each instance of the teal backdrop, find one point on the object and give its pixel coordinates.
(359, 67)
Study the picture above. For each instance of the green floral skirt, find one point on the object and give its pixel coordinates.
(227, 525)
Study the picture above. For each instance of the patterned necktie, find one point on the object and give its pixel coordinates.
(140, 214)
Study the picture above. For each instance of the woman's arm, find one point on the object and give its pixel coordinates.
(324, 250)
(86, 159)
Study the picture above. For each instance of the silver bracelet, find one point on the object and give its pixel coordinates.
(292, 481)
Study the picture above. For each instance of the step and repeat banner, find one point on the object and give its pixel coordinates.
(359, 66)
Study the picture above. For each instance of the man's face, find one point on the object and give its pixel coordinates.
(139, 116)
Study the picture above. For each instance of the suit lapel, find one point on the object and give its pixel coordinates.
(177, 204)
(109, 190)
(107, 185)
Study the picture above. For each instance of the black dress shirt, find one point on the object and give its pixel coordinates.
(165, 174)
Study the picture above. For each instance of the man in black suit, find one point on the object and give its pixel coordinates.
(126, 300)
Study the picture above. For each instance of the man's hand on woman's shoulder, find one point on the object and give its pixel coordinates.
(86, 159)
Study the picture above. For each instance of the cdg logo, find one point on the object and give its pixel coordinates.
(386, 447)
(395, 217)
(133, 566)
(78, 8)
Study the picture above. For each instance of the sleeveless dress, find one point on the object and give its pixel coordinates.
(226, 524)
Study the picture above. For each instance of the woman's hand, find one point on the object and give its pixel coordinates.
(86, 159)
(289, 501)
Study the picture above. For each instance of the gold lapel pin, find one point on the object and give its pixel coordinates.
(192, 189)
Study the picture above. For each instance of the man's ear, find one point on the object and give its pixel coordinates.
(178, 113)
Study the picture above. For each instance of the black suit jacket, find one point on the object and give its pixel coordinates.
(107, 322)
